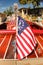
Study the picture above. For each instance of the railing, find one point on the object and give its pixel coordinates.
(5, 40)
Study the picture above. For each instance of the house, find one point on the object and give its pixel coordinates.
(33, 11)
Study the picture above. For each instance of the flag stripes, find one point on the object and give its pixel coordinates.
(28, 28)
(25, 43)
(32, 35)
(29, 37)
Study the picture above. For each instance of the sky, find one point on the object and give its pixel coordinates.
(4, 4)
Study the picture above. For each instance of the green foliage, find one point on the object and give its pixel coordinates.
(9, 11)
(34, 2)
(23, 1)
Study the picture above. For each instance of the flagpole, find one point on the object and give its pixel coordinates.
(16, 21)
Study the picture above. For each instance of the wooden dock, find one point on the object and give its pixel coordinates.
(29, 61)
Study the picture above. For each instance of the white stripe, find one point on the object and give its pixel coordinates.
(24, 44)
(39, 44)
(27, 40)
(7, 47)
(29, 36)
(31, 33)
(19, 52)
(3, 40)
(22, 48)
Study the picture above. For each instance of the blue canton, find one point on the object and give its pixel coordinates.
(21, 24)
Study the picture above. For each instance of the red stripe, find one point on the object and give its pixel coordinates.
(23, 46)
(20, 50)
(26, 42)
(28, 38)
(31, 35)
(19, 46)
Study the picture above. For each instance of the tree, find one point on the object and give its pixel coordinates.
(34, 2)
(9, 11)
(23, 2)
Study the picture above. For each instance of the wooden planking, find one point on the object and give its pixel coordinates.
(7, 62)
(33, 61)
(4, 46)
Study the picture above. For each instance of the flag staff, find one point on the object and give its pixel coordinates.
(16, 21)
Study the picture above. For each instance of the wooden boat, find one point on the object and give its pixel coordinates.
(8, 35)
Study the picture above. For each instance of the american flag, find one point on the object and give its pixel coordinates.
(25, 39)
